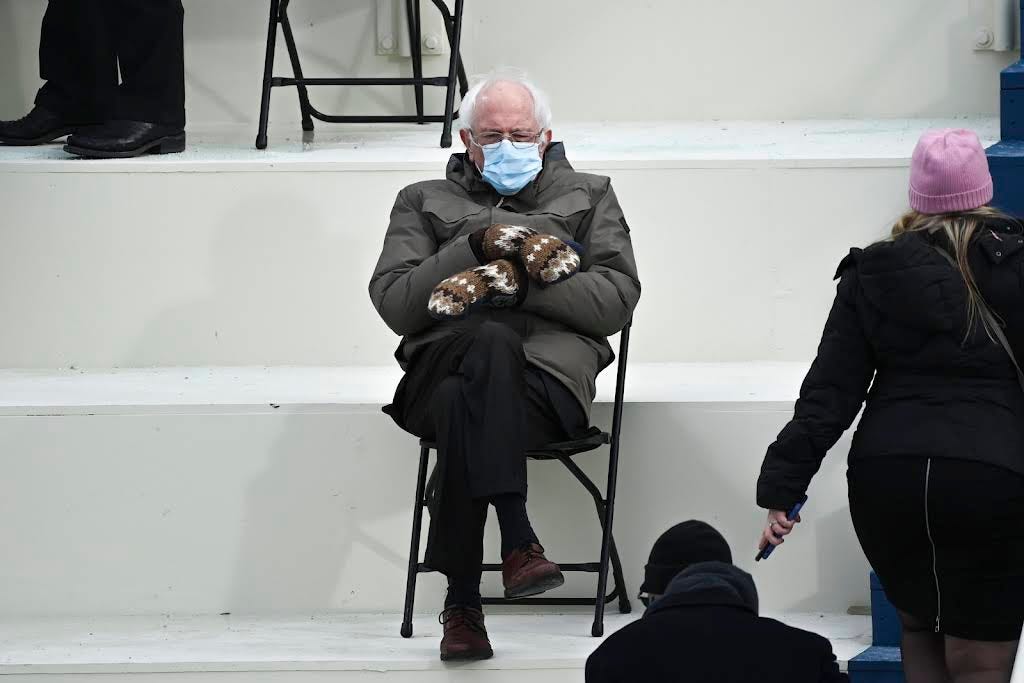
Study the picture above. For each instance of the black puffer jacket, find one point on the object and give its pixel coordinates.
(900, 318)
(706, 628)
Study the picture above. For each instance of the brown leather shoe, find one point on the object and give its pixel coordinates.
(527, 572)
(465, 637)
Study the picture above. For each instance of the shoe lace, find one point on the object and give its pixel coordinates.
(531, 553)
(463, 617)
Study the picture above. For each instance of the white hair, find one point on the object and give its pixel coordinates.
(541, 105)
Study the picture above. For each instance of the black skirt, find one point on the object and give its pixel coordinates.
(946, 538)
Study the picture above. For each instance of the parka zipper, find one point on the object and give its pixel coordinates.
(935, 559)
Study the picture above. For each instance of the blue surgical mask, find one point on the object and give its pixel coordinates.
(508, 168)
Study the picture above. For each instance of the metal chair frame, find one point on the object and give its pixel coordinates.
(456, 74)
(605, 506)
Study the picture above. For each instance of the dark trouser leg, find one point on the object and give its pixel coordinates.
(77, 60)
(516, 530)
(476, 397)
(151, 53)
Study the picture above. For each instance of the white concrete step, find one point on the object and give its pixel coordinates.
(544, 647)
(71, 391)
(143, 492)
(228, 256)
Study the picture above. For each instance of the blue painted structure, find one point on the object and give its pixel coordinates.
(1006, 158)
(881, 662)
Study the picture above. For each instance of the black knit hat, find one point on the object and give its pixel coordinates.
(684, 544)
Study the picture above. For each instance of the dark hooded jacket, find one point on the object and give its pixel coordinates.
(899, 325)
(706, 628)
(564, 327)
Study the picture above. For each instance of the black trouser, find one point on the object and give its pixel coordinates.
(85, 41)
(477, 398)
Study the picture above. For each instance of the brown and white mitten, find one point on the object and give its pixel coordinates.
(496, 284)
(499, 241)
(548, 260)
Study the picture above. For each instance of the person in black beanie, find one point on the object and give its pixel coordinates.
(115, 79)
(702, 624)
(684, 544)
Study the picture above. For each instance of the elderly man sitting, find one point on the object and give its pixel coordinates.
(504, 279)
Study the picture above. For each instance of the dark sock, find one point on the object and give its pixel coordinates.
(516, 531)
(463, 591)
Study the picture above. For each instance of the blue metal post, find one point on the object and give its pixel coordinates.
(880, 663)
(1007, 157)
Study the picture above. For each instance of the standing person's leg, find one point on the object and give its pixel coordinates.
(149, 112)
(78, 63)
(976, 661)
(151, 51)
(976, 511)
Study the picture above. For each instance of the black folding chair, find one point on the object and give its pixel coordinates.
(456, 74)
(562, 452)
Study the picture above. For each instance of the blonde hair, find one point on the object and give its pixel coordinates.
(959, 229)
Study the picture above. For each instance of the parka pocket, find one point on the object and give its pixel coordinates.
(452, 217)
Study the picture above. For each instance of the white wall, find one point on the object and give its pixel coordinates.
(309, 509)
(271, 268)
(601, 59)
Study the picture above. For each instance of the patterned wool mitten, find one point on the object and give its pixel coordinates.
(547, 259)
(496, 284)
(499, 241)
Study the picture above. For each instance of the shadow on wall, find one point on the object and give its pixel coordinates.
(11, 66)
(315, 516)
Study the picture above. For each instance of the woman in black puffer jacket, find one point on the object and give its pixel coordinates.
(936, 470)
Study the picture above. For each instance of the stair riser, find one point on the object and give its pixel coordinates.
(271, 268)
(309, 511)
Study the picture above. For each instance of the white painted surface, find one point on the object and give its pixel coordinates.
(608, 60)
(542, 643)
(107, 268)
(632, 145)
(27, 392)
(186, 511)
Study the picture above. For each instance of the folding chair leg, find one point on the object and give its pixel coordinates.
(448, 27)
(293, 55)
(412, 10)
(609, 516)
(414, 545)
(454, 66)
(268, 70)
(625, 607)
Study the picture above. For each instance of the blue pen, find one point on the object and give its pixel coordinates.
(766, 552)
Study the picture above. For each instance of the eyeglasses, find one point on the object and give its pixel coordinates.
(520, 139)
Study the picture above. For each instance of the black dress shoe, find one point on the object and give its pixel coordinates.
(123, 139)
(39, 127)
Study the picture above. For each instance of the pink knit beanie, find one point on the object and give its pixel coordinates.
(949, 172)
